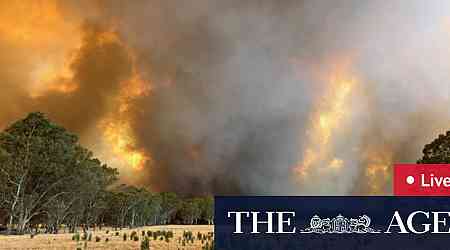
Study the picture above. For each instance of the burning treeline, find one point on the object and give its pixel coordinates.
(308, 97)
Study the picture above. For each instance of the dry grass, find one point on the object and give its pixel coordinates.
(64, 241)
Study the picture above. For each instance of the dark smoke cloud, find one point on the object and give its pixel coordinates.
(216, 94)
(98, 68)
(230, 93)
(228, 109)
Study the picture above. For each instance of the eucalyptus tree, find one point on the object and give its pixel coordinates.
(41, 164)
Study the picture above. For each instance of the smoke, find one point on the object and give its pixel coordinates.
(232, 97)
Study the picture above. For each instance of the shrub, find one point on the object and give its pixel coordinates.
(188, 235)
(76, 237)
(145, 244)
(208, 246)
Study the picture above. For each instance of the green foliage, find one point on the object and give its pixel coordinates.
(53, 172)
(145, 244)
(169, 205)
(76, 237)
(438, 151)
(54, 175)
(188, 236)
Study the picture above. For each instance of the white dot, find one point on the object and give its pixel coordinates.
(410, 180)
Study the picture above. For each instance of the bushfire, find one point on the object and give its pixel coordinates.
(201, 98)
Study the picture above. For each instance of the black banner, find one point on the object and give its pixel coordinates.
(332, 223)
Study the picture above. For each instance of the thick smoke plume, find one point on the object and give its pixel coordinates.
(235, 97)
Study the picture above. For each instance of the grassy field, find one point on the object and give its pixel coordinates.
(64, 241)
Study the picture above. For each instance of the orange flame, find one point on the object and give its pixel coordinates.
(37, 24)
(43, 34)
(119, 135)
(378, 170)
(117, 127)
(46, 32)
(50, 78)
(332, 110)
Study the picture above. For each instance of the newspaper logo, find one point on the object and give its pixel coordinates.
(340, 225)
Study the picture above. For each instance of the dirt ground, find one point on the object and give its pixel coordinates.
(64, 241)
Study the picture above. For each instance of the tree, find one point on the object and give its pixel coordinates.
(47, 177)
(207, 209)
(190, 211)
(40, 166)
(169, 205)
(34, 166)
(438, 151)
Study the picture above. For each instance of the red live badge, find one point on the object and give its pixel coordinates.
(422, 180)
